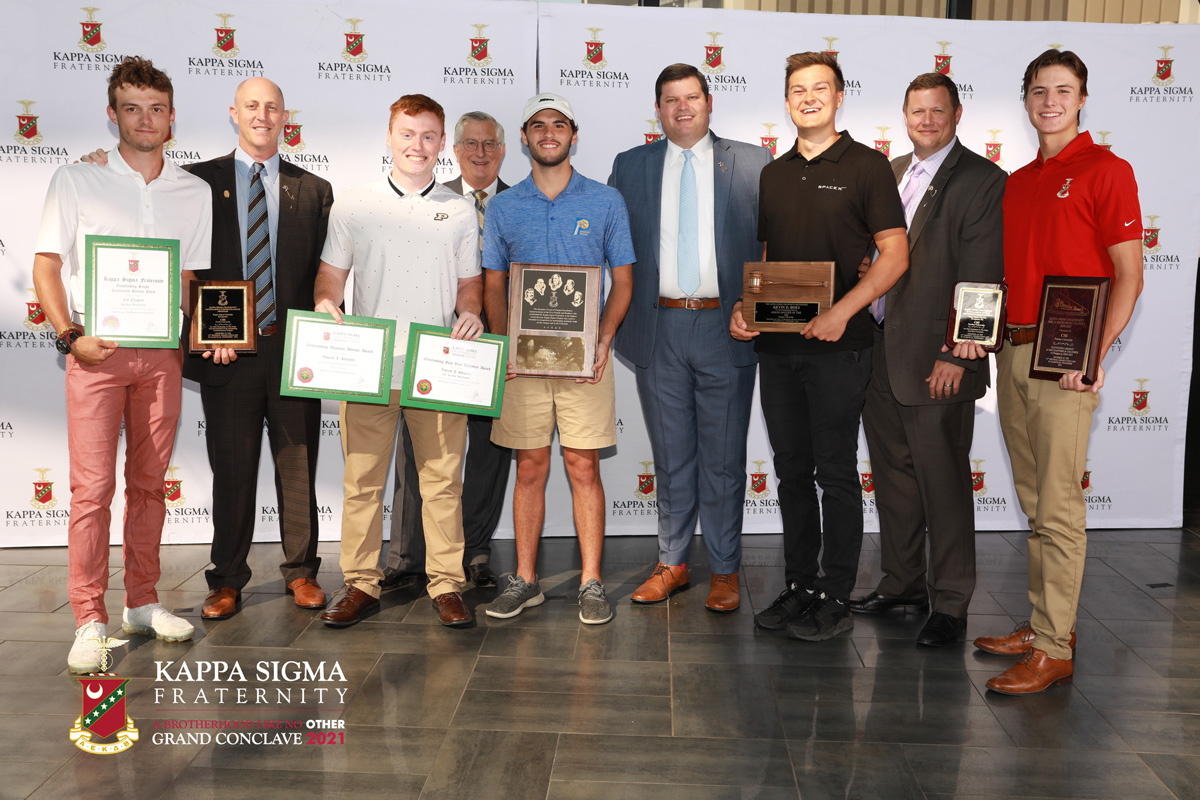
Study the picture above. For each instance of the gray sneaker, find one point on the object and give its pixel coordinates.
(593, 605)
(516, 597)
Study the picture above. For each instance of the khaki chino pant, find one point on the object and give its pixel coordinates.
(368, 439)
(1046, 434)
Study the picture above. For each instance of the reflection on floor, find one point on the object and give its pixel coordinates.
(664, 702)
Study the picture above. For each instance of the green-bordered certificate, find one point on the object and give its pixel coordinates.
(131, 290)
(349, 361)
(445, 374)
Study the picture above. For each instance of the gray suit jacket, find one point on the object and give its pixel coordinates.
(637, 174)
(457, 185)
(957, 234)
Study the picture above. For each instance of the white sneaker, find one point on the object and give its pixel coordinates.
(85, 652)
(154, 619)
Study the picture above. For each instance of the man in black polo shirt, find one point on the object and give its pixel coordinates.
(828, 199)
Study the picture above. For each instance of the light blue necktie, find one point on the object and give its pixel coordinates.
(689, 228)
(258, 245)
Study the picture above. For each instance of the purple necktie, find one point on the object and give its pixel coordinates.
(909, 198)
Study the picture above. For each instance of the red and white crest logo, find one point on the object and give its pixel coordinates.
(758, 482)
(829, 51)
(478, 56)
(992, 149)
(978, 487)
(1140, 406)
(1104, 140)
(35, 315)
(91, 41)
(291, 141)
(1150, 243)
(27, 124)
(1085, 482)
(173, 488)
(225, 46)
(713, 59)
(645, 481)
(770, 142)
(868, 481)
(941, 61)
(104, 713)
(354, 51)
(594, 51)
(1163, 67)
(43, 490)
(883, 144)
(654, 134)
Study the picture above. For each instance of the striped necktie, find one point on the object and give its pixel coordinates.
(258, 245)
(480, 210)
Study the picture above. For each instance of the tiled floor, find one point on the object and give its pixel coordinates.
(665, 702)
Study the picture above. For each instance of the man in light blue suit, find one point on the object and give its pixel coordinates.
(693, 210)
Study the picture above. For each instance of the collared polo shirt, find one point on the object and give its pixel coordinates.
(115, 200)
(827, 209)
(407, 251)
(586, 225)
(1060, 217)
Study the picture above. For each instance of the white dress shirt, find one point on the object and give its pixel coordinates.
(668, 237)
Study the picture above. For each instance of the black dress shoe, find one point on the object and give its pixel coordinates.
(400, 578)
(876, 603)
(941, 630)
(482, 576)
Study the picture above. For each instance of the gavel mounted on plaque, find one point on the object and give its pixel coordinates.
(783, 296)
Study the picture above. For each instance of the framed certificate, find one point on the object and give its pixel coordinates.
(131, 290)
(444, 374)
(977, 314)
(784, 296)
(348, 361)
(1069, 328)
(553, 319)
(222, 315)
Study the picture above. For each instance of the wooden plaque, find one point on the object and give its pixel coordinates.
(978, 313)
(1069, 328)
(223, 316)
(785, 295)
(553, 319)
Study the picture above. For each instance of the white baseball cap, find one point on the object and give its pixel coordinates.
(547, 100)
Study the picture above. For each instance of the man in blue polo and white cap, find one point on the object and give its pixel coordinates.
(557, 216)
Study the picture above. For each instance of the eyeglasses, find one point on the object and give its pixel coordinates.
(471, 145)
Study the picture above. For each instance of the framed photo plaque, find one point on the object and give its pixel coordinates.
(553, 319)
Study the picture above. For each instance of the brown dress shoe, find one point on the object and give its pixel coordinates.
(452, 611)
(221, 603)
(1035, 672)
(308, 593)
(1012, 644)
(723, 594)
(662, 583)
(352, 606)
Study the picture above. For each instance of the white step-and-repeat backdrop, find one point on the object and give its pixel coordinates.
(342, 64)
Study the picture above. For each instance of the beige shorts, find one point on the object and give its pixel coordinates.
(584, 412)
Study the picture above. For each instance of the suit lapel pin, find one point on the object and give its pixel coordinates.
(721, 164)
(227, 193)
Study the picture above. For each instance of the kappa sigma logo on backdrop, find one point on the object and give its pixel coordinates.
(1156, 256)
(1104, 142)
(867, 478)
(293, 147)
(644, 502)
(991, 150)
(179, 154)
(770, 141)
(88, 53)
(1096, 501)
(1139, 417)
(941, 65)
(34, 329)
(984, 502)
(714, 65)
(354, 63)
(1162, 84)
(27, 125)
(595, 72)
(654, 134)
(758, 482)
(882, 143)
(758, 495)
(479, 69)
(853, 86)
(223, 61)
(42, 509)
(178, 510)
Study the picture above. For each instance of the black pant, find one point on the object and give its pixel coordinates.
(233, 426)
(812, 404)
(485, 478)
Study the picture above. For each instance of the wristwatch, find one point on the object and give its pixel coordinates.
(65, 340)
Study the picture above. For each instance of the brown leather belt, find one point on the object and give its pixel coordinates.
(1020, 334)
(692, 303)
(269, 330)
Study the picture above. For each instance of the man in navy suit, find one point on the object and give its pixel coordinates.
(693, 211)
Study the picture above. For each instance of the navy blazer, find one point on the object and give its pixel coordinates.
(638, 174)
